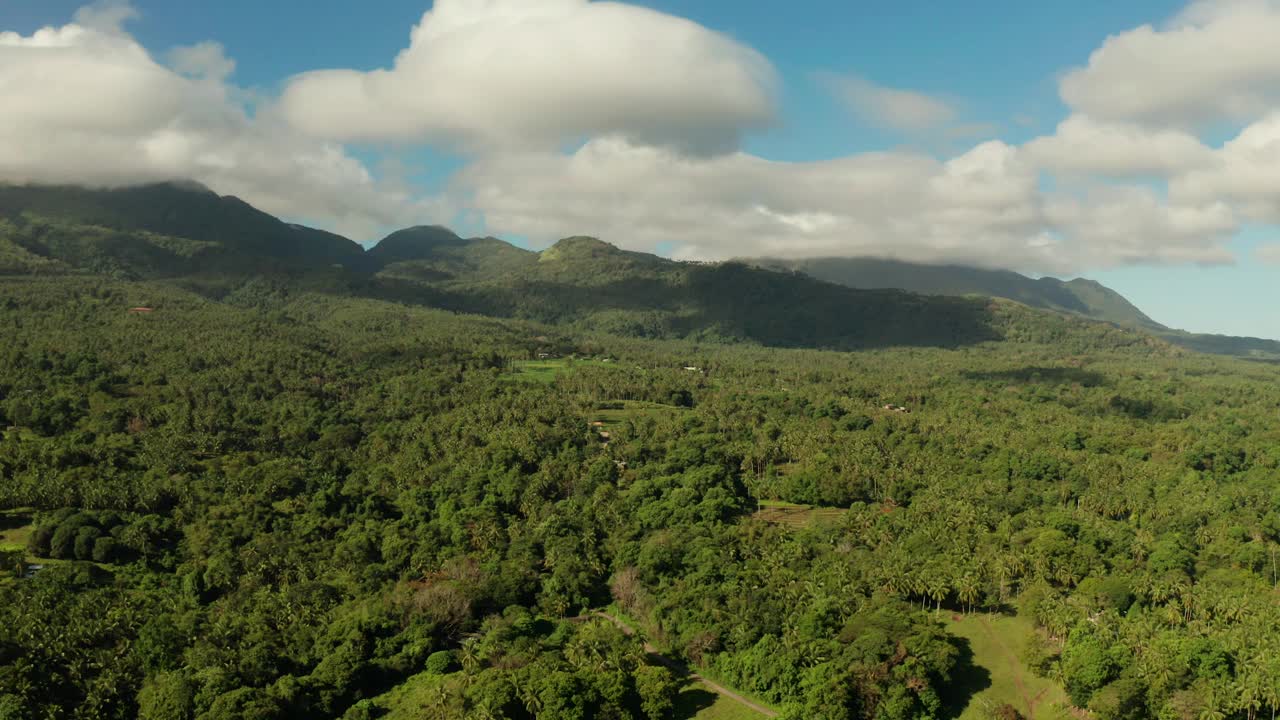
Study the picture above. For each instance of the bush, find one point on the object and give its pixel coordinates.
(440, 663)
(166, 696)
(86, 538)
(1121, 700)
(40, 539)
(105, 550)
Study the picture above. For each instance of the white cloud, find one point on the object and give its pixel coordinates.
(1084, 146)
(984, 207)
(1245, 172)
(86, 104)
(1218, 60)
(515, 73)
(659, 103)
(888, 107)
(202, 60)
(107, 16)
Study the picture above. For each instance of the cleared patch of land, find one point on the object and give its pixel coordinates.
(546, 371)
(416, 697)
(796, 516)
(695, 702)
(1000, 677)
(15, 529)
(620, 411)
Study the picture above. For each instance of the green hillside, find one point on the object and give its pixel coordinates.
(1080, 296)
(433, 253)
(1083, 297)
(592, 285)
(223, 248)
(185, 211)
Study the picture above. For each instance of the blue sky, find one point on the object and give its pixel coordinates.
(997, 67)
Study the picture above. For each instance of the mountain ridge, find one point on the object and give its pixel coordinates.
(1079, 296)
(189, 232)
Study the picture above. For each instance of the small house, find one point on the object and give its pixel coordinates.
(141, 311)
(32, 571)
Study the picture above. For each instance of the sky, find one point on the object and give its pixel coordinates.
(1134, 143)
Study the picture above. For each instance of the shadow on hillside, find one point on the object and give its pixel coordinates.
(720, 302)
(967, 680)
(1042, 376)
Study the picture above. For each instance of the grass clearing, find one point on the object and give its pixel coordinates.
(546, 371)
(15, 529)
(998, 676)
(796, 516)
(617, 412)
(696, 702)
(409, 699)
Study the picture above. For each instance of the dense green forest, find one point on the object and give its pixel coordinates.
(315, 495)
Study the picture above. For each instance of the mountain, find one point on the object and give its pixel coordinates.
(596, 287)
(166, 229)
(437, 253)
(227, 250)
(1080, 296)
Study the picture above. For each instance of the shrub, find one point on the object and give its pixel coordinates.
(440, 663)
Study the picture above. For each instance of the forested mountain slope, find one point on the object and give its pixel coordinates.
(594, 286)
(161, 230)
(1079, 296)
(222, 247)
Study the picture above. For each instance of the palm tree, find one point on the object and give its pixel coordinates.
(938, 589)
(468, 655)
(967, 590)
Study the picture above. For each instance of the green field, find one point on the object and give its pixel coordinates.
(999, 677)
(633, 410)
(15, 529)
(795, 516)
(546, 371)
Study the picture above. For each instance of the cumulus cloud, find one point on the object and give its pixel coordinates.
(984, 207)
(888, 107)
(1217, 61)
(86, 104)
(519, 74)
(1245, 172)
(1086, 146)
(513, 82)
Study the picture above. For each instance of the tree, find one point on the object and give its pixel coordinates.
(1124, 699)
(657, 688)
(166, 696)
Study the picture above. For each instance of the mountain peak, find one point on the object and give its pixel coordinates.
(579, 246)
(416, 243)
